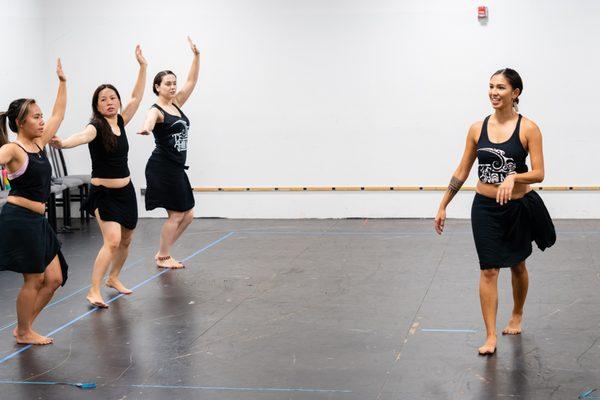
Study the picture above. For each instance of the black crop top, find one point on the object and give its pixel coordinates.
(34, 182)
(109, 164)
(497, 160)
(171, 136)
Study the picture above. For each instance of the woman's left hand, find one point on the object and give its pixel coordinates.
(504, 193)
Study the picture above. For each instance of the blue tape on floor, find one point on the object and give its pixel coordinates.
(586, 395)
(241, 389)
(27, 347)
(81, 385)
(72, 294)
(333, 233)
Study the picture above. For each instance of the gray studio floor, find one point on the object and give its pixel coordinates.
(312, 309)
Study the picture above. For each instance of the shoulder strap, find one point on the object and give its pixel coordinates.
(484, 129)
(518, 127)
(19, 144)
(178, 109)
(159, 108)
(516, 137)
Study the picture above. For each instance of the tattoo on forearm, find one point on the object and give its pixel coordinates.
(454, 186)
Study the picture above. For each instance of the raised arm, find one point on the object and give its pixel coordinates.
(151, 119)
(459, 177)
(77, 139)
(187, 89)
(138, 90)
(60, 104)
(533, 135)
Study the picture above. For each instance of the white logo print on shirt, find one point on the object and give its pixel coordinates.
(180, 138)
(498, 169)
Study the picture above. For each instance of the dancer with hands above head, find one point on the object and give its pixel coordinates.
(167, 184)
(29, 245)
(112, 196)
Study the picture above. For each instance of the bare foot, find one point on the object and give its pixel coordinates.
(96, 300)
(115, 283)
(514, 325)
(489, 347)
(32, 337)
(168, 262)
(15, 332)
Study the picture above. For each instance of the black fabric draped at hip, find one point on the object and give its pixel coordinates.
(117, 205)
(167, 185)
(503, 233)
(27, 242)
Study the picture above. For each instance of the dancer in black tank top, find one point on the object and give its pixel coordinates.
(506, 215)
(167, 184)
(112, 196)
(28, 244)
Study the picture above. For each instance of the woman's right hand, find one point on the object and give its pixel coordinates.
(193, 46)
(59, 71)
(56, 142)
(139, 56)
(440, 219)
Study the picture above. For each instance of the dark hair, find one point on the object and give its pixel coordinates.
(159, 77)
(513, 78)
(17, 111)
(109, 139)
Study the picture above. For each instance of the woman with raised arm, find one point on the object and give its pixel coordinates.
(112, 196)
(28, 245)
(506, 215)
(167, 184)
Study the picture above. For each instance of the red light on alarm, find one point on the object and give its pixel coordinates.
(482, 12)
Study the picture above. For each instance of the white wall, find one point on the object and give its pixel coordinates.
(340, 92)
(22, 52)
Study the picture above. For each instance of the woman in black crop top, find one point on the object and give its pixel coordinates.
(506, 215)
(28, 245)
(167, 184)
(112, 196)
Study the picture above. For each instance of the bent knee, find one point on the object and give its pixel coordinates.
(519, 269)
(125, 243)
(177, 217)
(54, 282)
(112, 243)
(490, 274)
(35, 281)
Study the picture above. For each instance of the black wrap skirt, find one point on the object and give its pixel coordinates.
(503, 233)
(28, 243)
(117, 205)
(167, 186)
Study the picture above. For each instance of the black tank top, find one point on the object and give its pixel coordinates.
(170, 137)
(497, 160)
(34, 183)
(109, 164)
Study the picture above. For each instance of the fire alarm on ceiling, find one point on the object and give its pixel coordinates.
(482, 12)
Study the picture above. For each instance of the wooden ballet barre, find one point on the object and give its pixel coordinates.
(374, 188)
